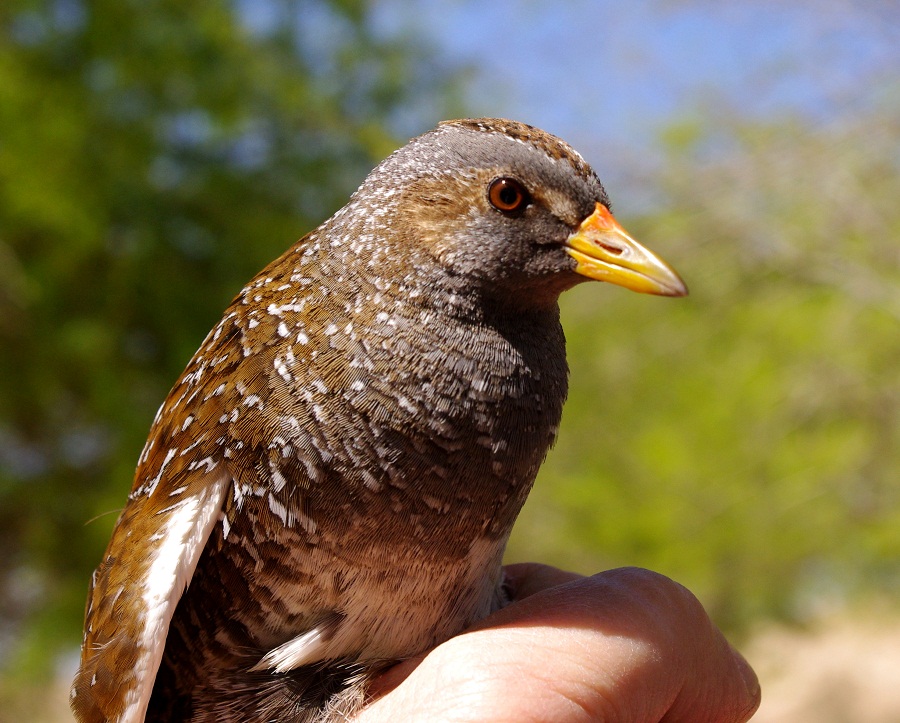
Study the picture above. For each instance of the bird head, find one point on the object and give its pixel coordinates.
(513, 212)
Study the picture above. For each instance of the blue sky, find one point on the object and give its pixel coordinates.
(608, 76)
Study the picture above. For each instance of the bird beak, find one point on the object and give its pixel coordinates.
(604, 252)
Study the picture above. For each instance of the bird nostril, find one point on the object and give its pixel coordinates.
(616, 250)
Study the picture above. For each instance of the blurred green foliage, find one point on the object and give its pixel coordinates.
(154, 155)
(745, 440)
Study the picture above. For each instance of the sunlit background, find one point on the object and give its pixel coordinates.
(155, 155)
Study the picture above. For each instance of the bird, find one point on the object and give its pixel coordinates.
(330, 484)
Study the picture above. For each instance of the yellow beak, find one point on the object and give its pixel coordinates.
(604, 252)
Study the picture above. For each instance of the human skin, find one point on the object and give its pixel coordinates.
(623, 646)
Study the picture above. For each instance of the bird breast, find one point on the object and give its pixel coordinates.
(418, 439)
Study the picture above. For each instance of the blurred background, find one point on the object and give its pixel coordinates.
(745, 441)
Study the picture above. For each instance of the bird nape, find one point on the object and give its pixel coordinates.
(330, 484)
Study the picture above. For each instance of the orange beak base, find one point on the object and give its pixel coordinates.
(605, 252)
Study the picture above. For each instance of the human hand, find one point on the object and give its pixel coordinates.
(626, 645)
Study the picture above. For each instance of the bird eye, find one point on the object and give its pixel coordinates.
(508, 195)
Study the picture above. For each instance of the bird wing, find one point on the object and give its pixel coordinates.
(225, 405)
(179, 490)
(148, 564)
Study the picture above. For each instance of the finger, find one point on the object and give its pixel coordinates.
(526, 578)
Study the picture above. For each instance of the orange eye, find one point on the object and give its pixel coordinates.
(508, 195)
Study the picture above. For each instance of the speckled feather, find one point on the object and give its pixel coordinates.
(337, 470)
